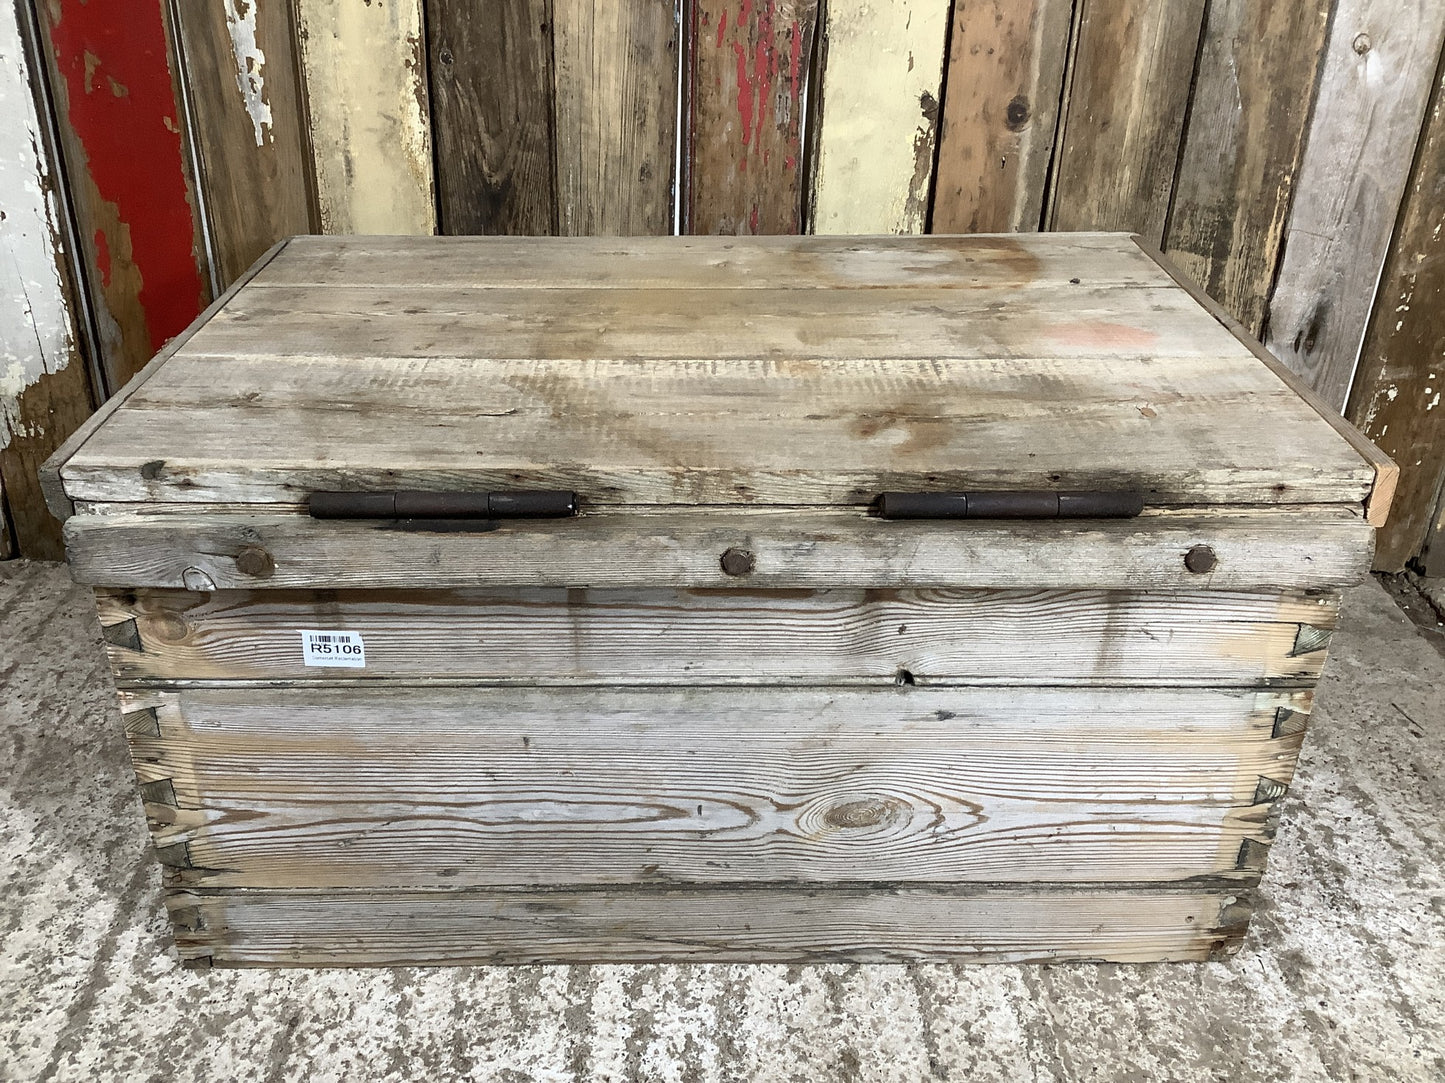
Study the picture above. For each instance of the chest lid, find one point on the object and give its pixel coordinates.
(714, 371)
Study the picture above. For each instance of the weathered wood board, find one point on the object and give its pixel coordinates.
(866, 924)
(1396, 399)
(111, 73)
(748, 74)
(671, 636)
(44, 388)
(244, 87)
(555, 788)
(1000, 114)
(369, 114)
(1375, 81)
(1129, 90)
(877, 115)
(1250, 108)
(491, 82)
(616, 83)
(791, 547)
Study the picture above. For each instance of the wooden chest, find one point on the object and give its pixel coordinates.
(729, 710)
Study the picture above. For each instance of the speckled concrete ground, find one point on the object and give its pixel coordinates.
(1343, 976)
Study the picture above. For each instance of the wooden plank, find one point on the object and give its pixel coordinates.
(56, 500)
(877, 115)
(1121, 129)
(733, 924)
(792, 547)
(244, 88)
(1374, 84)
(44, 388)
(111, 76)
(1433, 558)
(463, 788)
(491, 81)
(1381, 495)
(616, 74)
(652, 636)
(747, 80)
(364, 70)
(1006, 264)
(1241, 149)
(1230, 432)
(1000, 114)
(1402, 372)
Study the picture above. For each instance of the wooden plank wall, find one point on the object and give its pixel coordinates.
(1286, 156)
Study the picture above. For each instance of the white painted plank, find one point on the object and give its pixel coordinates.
(365, 72)
(1374, 87)
(43, 387)
(882, 71)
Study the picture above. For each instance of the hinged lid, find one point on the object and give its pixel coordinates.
(711, 370)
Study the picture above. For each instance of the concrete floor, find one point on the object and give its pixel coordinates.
(1343, 975)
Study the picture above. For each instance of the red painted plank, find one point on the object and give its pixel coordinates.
(123, 145)
(746, 86)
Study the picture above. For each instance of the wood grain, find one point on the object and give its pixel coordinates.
(1129, 90)
(792, 547)
(44, 387)
(369, 114)
(491, 80)
(1000, 265)
(1241, 148)
(110, 65)
(56, 500)
(1381, 495)
(748, 75)
(877, 115)
(663, 636)
(1000, 114)
(733, 924)
(1397, 391)
(244, 88)
(508, 787)
(1375, 81)
(616, 75)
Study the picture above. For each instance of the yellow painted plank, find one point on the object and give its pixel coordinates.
(882, 69)
(370, 119)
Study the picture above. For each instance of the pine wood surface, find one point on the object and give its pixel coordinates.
(809, 395)
(460, 788)
(886, 924)
(244, 85)
(668, 636)
(1000, 114)
(1398, 388)
(188, 546)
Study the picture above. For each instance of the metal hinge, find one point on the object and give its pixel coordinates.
(1038, 504)
(453, 507)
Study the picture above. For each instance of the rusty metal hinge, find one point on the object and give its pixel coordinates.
(1038, 504)
(415, 505)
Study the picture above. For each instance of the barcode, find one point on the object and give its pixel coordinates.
(320, 647)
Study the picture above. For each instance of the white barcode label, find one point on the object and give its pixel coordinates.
(333, 649)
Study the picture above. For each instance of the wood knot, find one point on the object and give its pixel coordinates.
(867, 812)
(1016, 115)
(1362, 44)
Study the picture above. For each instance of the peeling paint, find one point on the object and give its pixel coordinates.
(250, 66)
(35, 322)
(368, 114)
(880, 91)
